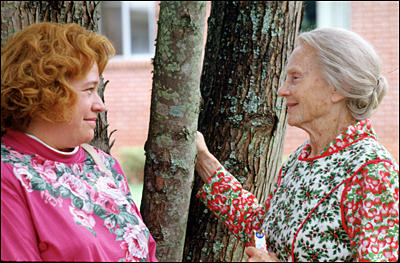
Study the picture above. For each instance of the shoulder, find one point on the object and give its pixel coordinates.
(372, 150)
(107, 159)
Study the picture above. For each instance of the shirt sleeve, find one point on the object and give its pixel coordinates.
(18, 236)
(237, 208)
(371, 211)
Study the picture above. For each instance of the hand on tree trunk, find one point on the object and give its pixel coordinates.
(206, 163)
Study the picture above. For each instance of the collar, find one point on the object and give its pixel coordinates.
(355, 132)
(28, 144)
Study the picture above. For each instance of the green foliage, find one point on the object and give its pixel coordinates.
(132, 162)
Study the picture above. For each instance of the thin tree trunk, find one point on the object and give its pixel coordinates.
(16, 15)
(243, 119)
(170, 147)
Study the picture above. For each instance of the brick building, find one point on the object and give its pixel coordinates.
(128, 93)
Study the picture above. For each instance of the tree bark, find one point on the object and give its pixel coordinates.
(16, 15)
(243, 119)
(170, 147)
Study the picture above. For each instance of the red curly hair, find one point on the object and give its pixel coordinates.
(36, 64)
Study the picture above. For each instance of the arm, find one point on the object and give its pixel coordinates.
(224, 195)
(371, 211)
(206, 163)
(18, 236)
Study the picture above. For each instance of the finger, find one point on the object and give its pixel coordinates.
(250, 251)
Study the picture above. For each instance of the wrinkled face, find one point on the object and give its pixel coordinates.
(307, 93)
(89, 104)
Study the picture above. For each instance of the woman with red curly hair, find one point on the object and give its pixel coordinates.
(61, 200)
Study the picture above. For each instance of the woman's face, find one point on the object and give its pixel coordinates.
(307, 93)
(89, 104)
(65, 136)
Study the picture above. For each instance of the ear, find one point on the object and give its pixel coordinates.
(336, 96)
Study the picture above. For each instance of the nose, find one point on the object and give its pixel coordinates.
(98, 104)
(284, 91)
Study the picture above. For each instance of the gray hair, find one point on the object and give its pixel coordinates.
(351, 66)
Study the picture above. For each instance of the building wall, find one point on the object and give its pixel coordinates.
(128, 94)
(127, 99)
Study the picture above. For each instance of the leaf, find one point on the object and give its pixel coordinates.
(99, 211)
(64, 192)
(120, 220)
(38, 184)
(130, 218)
(91, 230)
(53, 191)
(119, 232)
(77, 202)
(146, 233)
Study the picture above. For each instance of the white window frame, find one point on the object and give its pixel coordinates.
(126, 6)
(333, 14)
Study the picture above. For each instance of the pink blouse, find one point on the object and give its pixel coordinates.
(62, 207)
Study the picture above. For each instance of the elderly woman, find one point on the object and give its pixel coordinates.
(337, 195)
(60, 202)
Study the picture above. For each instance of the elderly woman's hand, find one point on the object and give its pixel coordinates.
(259, 255)
(206, 163)
(200, 143)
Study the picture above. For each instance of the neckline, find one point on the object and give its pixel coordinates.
(75, 150)
(358, 131)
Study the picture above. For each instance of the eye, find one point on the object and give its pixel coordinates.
(296, 77)
(90, 90)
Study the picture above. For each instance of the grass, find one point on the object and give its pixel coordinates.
(136, 191)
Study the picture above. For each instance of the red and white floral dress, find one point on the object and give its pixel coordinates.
(61, 207)
(340, 206)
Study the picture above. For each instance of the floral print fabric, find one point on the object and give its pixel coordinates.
(86, 203)
(339, 206)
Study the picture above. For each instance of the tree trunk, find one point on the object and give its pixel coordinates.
(243, 119)
(15, 15)
(170, 147)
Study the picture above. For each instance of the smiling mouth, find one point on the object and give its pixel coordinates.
(290, 105)
(92, 121)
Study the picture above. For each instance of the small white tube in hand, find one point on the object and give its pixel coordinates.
(259, 240)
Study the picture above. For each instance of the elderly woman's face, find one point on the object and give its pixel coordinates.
(307, 93)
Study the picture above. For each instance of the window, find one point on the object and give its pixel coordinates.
(309, 19)
(333, 14)
(130, 26)
(318, 14)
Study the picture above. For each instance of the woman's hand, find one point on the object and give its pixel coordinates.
(259, 255)
(206, 163)
(200, 143)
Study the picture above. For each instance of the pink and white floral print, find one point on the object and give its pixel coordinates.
(339, 206)
(49, 199)
(91, 193)
(25, 177)
(82, 217)
(107, 189)
(134, 242)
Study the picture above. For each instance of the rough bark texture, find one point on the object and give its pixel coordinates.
(170, 147)
(15, 15)
(243, 119)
